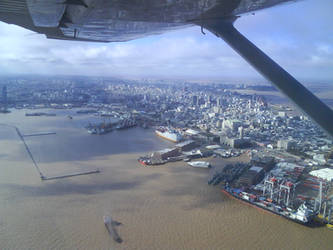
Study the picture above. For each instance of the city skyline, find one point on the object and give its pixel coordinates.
(300, 44)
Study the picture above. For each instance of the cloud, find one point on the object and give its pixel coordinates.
(287, 33)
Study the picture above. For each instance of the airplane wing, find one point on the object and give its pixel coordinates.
(118, 20)
(123, 20)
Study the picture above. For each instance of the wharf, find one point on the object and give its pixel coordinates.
(44, 178)
(39, 134)
(29, 152)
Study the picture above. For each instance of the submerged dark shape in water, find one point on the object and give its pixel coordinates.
(110, 226)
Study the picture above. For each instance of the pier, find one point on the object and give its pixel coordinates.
(29, 153)
(40, 134)
(44, 178)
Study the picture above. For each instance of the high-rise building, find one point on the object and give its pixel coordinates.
(241, 132)
(4, 98)
(194, 100)
(208, 99)
(219, 102)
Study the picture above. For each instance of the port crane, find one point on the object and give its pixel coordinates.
(280, 192)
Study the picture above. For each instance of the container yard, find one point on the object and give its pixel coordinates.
(273, 181)
(286, 189)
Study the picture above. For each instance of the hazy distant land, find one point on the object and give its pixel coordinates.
(325, 93)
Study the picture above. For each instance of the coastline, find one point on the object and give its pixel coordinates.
(164, 207)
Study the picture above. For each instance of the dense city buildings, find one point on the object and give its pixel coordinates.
(206, 120)
(218, 111)
(4, 102)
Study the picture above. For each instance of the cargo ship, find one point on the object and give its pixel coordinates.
(302, 215)
(126, 123)
(168, 134)
(40, 114)
(99, 129)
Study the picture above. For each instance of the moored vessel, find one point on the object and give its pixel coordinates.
(126, 123)
(199, 164)
(302, 214)
(168, 134)
(40, 114)
(99, 129)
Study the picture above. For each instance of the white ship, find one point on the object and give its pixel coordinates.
(168, 134)
(199, 164)
(302, 214)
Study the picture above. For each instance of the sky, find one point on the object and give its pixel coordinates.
(299, 36)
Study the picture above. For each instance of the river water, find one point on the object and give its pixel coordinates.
(164, 207)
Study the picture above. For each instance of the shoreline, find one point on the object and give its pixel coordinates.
(161, 207)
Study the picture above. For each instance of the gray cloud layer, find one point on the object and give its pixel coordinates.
(298, 36)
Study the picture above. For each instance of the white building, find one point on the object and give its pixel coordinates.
(325, 173)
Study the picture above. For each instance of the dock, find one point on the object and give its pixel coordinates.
(29, 152)
(110, 226)
(40, 134)
(44, 178)
(41, 175)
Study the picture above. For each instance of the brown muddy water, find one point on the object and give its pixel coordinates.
(165, 207)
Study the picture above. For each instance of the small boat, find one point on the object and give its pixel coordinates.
(199, 164)
(110, 226)
(107, 220)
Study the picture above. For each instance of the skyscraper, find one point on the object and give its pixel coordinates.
(194, 100)
(4, 98)
(219, 102)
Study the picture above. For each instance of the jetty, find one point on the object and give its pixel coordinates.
(111, 227)
(44, 178)
(39, 134)
(29, 153)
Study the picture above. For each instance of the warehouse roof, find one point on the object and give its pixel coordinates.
(325, 173)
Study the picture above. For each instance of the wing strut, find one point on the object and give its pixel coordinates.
(296, 92)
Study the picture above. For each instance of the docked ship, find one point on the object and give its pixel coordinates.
(40, 114)
(302, 215)
(126, 123)
(148, 161)
(99, 129)
(168, 134)
(87, 111)
(199, 164)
